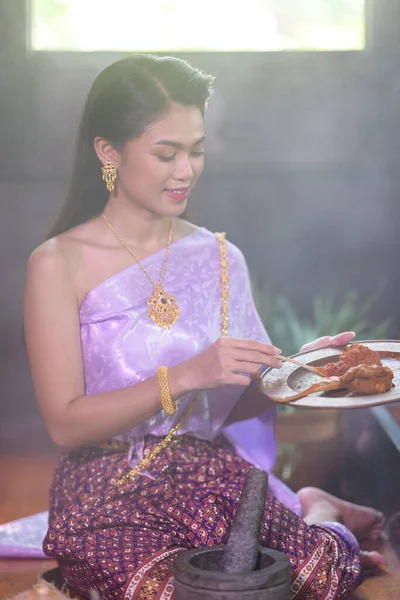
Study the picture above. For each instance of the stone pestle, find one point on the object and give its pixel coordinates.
(243, 547)
(242, 569)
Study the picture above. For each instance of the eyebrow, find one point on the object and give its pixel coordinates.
(177, 145)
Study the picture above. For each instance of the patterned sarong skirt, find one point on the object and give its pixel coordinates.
(122, 540)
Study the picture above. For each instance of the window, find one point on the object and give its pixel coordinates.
(197, 25)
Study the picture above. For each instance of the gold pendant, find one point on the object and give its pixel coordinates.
(163, 308)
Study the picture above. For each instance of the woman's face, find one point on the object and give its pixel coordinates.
(158, 170)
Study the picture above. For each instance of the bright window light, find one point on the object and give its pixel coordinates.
(197, 25)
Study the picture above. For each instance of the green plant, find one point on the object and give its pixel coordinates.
(289, 331)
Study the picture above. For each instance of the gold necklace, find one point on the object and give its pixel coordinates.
(162, 307)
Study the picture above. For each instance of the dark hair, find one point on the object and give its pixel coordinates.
(125, 98)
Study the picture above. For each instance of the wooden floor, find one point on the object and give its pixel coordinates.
(25, 481)
(19, 575)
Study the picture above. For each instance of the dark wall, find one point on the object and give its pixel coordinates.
(301, 172)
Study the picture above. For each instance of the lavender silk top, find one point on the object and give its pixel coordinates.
(121, 346)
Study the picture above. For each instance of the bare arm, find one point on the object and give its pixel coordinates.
(52, 332)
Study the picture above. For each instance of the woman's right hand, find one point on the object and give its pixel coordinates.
(228, 361)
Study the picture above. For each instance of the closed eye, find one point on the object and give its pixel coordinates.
(171, 158)
(166, 158)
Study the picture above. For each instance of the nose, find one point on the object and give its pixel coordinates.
(184, 169)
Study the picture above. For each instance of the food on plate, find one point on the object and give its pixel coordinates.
(367, 379)
(354, 355)
(361, 379)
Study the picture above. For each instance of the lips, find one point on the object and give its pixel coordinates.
(178, 193)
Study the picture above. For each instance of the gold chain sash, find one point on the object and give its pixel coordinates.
(224, 330)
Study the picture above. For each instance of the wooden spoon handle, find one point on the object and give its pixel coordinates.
(321, 386)
(317, 370)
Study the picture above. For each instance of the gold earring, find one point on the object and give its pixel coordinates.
(109, 175)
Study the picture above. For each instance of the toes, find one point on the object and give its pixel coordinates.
(375, 534)
(380, 517)
(377, 526)
(372, 560)
(373, 529)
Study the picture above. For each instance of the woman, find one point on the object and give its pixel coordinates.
(137, 321)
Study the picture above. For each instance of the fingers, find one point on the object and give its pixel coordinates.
(238, 361)
(321, 342)
(244, 368)
(256, 359)
(341, 339)
(265, 349)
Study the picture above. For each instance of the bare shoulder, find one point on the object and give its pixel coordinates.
(48, 259)
(58, 257)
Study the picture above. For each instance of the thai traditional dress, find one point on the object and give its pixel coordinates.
(122, 540)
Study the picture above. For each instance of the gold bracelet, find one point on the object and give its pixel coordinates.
(167, 403)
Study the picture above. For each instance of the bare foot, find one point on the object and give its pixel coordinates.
(372, 560)
(393, 528)
(364, 522)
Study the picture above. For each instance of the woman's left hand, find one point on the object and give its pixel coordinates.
(341, 339)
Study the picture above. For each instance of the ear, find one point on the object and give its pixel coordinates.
(106, 152)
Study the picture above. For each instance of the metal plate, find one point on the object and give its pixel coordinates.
(291, 379)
